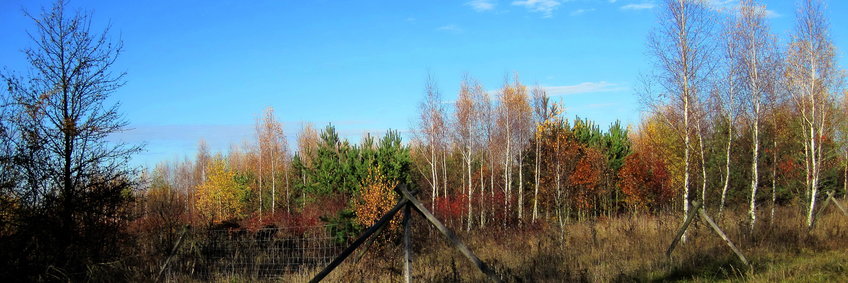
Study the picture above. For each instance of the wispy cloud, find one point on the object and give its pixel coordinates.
(641, 6)
(581, 11)
(585, 87)
(545, 7)
(732, 7)
(481, 5)
(452, 28)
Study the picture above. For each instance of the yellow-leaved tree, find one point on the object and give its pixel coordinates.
(221, 197)
(375, 199)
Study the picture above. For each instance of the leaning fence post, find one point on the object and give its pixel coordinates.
(683, 228)
(819, 214)
(383, 221)
(173, 252)
(832, 199)
(723, 237)
(450, 235)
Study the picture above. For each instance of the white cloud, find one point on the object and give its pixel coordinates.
(585, 87)
(450, 28)
(545, 7)
(732, 7)
(481, 5)
(581, 11)
(771, 14)
(641, 6)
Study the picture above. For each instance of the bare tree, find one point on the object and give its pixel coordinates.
(812, 77)
(272, 148)
(727, 95)
(307, 149)
(758, 59)
(543, 112)
(485, 129)
(429, 133)
(465, 135)
(66, 120)
(513, 111)
(682, 49)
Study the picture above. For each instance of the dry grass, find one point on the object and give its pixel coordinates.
(618, 249)
(626, 249)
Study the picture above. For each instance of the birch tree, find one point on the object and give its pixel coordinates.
(728, 92)
(544, 113)
(812, 77)
(465, 135)
(681, 48)
(757, 59)
(431, 124)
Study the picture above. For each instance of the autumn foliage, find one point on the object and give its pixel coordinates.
(645, 181)
(221, 196)
(376, 198)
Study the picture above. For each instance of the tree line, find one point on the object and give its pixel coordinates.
(733, 117)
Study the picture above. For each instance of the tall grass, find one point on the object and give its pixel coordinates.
(629, 248)
(620, 249)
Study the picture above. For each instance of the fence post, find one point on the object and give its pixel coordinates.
(407, 246)
(173, 252)
(383, 221)
(450, 235)
(723, 237)
(683, 228)
(830, 196)
(819, 214)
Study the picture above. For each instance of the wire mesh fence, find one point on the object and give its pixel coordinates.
(267, 253)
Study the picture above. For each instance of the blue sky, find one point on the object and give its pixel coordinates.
(206, 69)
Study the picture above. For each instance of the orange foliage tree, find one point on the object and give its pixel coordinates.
(586, 177)
(375, 199)
(645, 181)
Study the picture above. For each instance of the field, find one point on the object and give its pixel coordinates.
(623, 249)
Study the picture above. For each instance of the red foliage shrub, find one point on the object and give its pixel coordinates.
(645, 181)
(451, 208)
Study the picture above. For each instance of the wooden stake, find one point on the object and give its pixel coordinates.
(383, 221)
(724, 237)
(407, 245)
(819, 213)
(450, 235)
(173, 252)
(832, 199)
(682, 229)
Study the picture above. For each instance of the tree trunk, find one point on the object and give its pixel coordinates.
(773, 178)
(754, 172)
(288, 190)
(536, 182)
(686, 146)
(703, 167)
(434, 174)
(470, 191)
(726, 164)
(482, 187)
(260, 182)
(520, 185)
(445, 171)
(273, 182)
